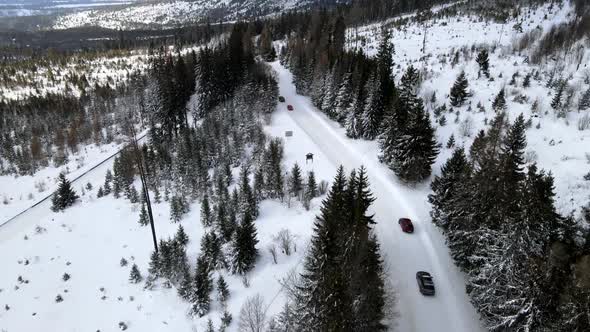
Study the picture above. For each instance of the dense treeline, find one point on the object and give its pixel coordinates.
(341, 287)
(499, 217)
(360, 93)
(44, 130)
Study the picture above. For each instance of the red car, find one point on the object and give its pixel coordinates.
(290, 107)
(406, 225)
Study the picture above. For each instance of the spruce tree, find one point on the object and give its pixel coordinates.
(411, 152)
(203, 285)
(513, 165)
(371, 115)
(222, 290)
(175, 209)
(353, 121)
(459, 90)
(143, 216)
(323, 302)
(211, 250)
(295, 181)
(446, 188)
(343, 99)
(64, 196)
(206, 214)
(499, 104)
(483, 62)
(451, 142)
(556, 102)
(527, 81)
(210, 327)
(135, 276)
(311, 188)
(370, 307)
(155, 266)
(244, 246)
(185, 291)
(248, 203)
(181, 237)
(259, 185)
(107, 182)
(132, 194)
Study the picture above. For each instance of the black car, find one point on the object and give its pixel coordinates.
(425, 283)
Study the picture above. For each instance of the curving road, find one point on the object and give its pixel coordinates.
(404, 254)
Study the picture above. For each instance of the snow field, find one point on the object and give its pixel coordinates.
(95, 234)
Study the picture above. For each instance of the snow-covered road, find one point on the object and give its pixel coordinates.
(404, 254)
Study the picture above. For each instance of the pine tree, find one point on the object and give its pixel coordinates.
(181, 237)
(483, 62)
(143, 216)
(64, 196)
(499, 104)
(135, 276)
(459, 90)
(244, 246)
(295, 181)
(222, 290)
(584, 102)
(202, 288)
(206, 214)
(99, 193)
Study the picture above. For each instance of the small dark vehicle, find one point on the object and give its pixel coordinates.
(281, 99)
(406, 225)
(290, 107)
(425, 283)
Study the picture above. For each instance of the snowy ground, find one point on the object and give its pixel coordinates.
(18, 193)
(557, 145)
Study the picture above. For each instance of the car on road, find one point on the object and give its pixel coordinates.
(425, 283)
(406, 225)
(281, 99)
(290, 107)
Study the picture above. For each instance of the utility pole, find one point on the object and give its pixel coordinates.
(142, 175)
